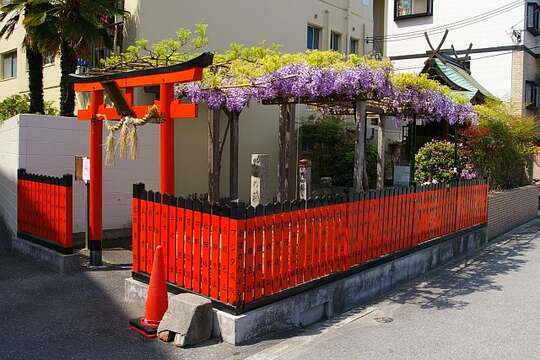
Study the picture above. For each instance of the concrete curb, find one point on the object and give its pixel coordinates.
(61, 263)
(333, 298)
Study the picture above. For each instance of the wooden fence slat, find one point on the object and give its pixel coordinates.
(277, 246)
(180, 241)
(250, 255)
(205, 249)
(224, 252)
(188, 244)
(215, 238)
(197, 234)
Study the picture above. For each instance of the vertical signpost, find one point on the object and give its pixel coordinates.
(82, 173)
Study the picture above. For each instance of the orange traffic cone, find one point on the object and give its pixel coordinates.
(157, 301)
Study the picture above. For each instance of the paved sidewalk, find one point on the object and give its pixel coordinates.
(486, 307)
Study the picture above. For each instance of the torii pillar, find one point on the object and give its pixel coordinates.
(170, 109)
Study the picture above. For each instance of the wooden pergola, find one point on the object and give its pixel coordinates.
(287, 109)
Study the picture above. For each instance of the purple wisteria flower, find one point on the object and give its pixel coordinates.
(315, 84)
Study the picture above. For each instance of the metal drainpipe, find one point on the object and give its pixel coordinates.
(348, 34)
(327, 31)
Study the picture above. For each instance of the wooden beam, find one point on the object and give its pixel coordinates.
(381, 148)
(233, 154)
(146, 80)
(286, 113)
(214, 163)
(360, 111)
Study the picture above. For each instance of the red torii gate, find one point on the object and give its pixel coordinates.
(165, 78)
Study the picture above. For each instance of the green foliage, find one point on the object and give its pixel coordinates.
(421, 81)
(502, 146)
(436, 161)
(331, 149)
(20, 104)
(185, 46)
(239, 65)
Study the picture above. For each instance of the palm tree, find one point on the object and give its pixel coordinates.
(15, 9)
(71, 27)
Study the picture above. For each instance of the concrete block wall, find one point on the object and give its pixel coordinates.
(47, 145)
(9, 162)
(508, 209)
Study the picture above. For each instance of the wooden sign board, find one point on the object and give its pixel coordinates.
(82, 168)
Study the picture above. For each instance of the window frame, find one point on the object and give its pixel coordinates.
(11, 54)
(339, 41)
(531, 87)
(429, 11)
(357, 41)
(535, 27)
(318, 30)
(51, 56)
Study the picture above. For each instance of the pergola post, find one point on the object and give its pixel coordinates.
(166, 135)
(233, 154)
(360, 111)
(412, 137)
(96, 181)
(214, 163)
(381, 153)
(286, 118)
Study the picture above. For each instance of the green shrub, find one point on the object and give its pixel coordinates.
(330, 144)
(502, 146)
(20, 104)
(436, 160)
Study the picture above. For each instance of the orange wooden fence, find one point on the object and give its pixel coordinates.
(44, 210)
(238, 255)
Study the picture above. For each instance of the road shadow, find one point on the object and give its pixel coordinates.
(446, 287)
(46, 315)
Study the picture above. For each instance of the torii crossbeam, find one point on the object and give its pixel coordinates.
(170, 109)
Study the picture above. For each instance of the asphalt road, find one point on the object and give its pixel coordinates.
(485, 307)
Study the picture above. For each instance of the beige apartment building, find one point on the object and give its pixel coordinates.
(329, 24)
(296, 25)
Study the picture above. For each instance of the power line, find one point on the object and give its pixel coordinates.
(491, 13)
(450, 26)
(473, 59)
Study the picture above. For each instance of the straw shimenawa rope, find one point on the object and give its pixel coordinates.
(127, 139)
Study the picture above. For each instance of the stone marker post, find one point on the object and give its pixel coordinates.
(260, 192)
(304, 178)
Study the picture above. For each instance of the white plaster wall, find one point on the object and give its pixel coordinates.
(489, 32)
(47, 145)
(9, 162)
(493, 70)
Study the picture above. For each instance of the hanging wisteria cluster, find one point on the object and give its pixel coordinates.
(310, 83)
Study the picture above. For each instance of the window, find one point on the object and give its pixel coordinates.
(335, 41)
(353, 47)
(533, 10)
(313, 37)
(9, 65)
(48, 59)
(531, 94)
(404, 9)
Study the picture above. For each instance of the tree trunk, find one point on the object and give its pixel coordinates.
(68, 65)
(286, 116)
(214, 161)
(381, 153)
(35, 80)
(233, 153)
(360, 111)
